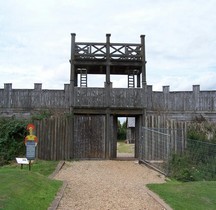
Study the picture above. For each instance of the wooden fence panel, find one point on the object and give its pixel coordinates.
(55, 137)
(160, 138)
(89, 132)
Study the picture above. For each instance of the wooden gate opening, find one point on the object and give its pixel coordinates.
(126, 137)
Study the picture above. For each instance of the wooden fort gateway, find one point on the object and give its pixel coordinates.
(95, 110)
(89, 127)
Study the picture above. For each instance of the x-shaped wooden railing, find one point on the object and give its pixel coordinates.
(100, 51)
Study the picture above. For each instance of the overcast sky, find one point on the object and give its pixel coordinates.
(180, 39)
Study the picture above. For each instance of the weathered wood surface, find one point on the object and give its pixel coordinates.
(123, 97)
(89, 97)
(181, 104)
(89, 132)
(118, 51)
(56, 140)
(161, 137)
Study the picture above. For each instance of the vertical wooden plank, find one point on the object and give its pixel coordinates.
(60, 138)
(41, 140)
(69, 134)
(67, 144)
(50, 138)
(63, 141)
(43, 127)
(56, 137)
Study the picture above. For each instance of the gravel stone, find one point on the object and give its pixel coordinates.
(108, 185)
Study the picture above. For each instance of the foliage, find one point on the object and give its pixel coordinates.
(12, 134)
(198, 161)
(42, 115)
(122, 129)
(190, 195)
(179, 168)
(23, 189)
(202, 131)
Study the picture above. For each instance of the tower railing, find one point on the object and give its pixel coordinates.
(118, 51)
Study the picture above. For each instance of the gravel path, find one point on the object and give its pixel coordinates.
(103, 185)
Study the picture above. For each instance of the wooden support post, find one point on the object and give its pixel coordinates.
(29, 165)
(138, 81)
(108, 58)
(72, 76)
(114, 137)
(138, 137)
(73, 83)
(143, 60)
(108, 135)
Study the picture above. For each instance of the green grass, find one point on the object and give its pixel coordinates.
(187, 195)
(125, 148)
(28, 190)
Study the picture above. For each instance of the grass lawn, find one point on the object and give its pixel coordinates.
(125, 148)
(188, 195)
(28, 190)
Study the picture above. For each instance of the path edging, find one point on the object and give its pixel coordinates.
(54, 205)
(158, 199)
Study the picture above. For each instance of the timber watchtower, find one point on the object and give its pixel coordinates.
(108, 103)
(107, 58)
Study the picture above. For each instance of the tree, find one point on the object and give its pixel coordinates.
(122, 129)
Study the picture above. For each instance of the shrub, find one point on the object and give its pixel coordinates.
(198, 161)
(179, 168)
(12, 134)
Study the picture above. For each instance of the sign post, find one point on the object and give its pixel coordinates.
(31, 142)
(22, 161)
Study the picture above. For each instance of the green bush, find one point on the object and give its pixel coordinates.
(196, 163)
(44, 114)
(179, 168)
(202, 131)
(12, 134)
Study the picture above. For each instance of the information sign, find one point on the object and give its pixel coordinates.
(30, 150)
(22, 161)
(31, 142)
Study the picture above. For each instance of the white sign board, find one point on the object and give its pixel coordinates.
(131, 122)
(22, 161)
